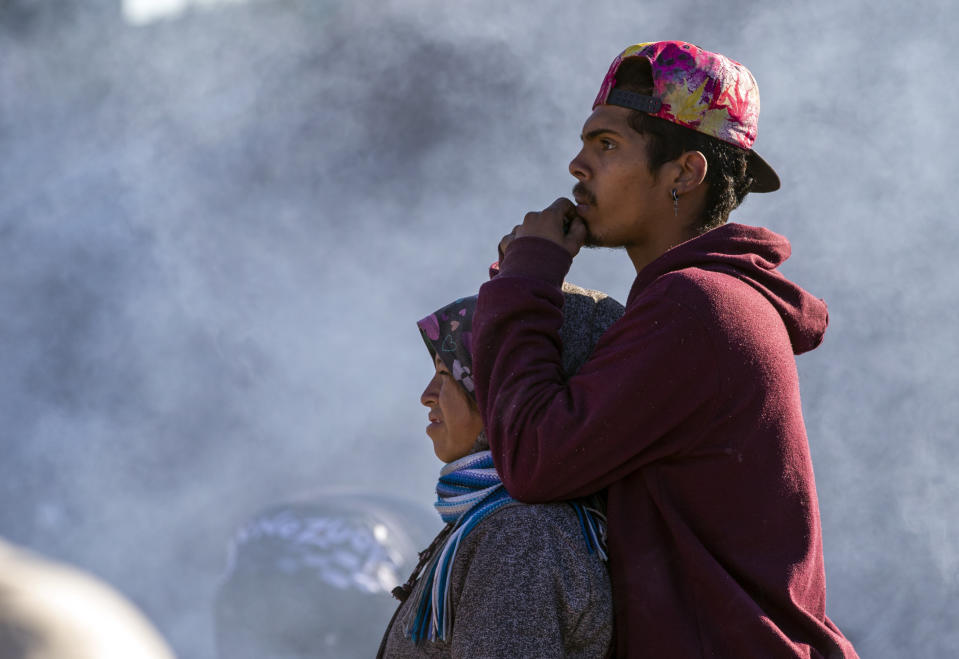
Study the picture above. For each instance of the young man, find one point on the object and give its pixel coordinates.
(688, 412)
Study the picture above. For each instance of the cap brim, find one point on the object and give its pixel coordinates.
(765, 179)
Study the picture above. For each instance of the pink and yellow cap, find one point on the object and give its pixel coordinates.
(704, 91)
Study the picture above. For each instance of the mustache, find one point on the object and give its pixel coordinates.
(580, 190)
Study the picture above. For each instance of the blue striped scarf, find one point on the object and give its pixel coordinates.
(469, 491)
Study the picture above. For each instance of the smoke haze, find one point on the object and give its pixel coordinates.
(220, 224)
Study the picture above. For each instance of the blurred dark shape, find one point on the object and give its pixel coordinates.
(28, 18)
(314, 578)
(52, 611)
(20, 16)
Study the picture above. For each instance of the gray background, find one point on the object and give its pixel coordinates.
(219, 227)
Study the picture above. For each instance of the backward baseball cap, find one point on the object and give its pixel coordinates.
(706, 92)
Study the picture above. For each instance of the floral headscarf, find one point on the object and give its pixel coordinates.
(448, 333)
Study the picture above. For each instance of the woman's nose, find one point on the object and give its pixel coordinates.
(429, 396)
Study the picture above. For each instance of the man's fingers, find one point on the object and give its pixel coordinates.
(549, 221)
(505, 242)
(576, 236)
(552, 223)
(562, 206)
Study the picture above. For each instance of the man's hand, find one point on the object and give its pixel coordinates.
(550, 223)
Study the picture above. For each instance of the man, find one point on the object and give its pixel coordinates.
(688, 412)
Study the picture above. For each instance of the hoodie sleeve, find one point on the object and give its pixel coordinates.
(651, 379)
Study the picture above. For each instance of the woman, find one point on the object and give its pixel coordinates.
(502, 579)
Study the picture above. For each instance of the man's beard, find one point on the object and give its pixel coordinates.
(592, 241)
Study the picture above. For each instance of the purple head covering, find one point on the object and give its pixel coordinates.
(448, 333)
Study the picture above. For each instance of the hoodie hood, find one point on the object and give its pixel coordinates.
(751, 254)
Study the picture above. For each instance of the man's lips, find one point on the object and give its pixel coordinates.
(583, 197)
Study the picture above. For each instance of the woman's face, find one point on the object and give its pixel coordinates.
(455, 421)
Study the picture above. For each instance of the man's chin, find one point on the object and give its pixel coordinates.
(591, 239)
(596, 243)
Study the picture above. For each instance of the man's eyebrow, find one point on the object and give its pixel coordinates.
(597, 132)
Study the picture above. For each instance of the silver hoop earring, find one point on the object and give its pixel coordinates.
(675, 202)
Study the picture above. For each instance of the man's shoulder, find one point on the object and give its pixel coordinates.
(696, 289)
(695, 280)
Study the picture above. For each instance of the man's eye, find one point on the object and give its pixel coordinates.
(606, 145)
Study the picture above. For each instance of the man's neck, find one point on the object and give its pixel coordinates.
(643, 255)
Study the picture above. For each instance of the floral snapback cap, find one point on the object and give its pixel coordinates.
(706, 92)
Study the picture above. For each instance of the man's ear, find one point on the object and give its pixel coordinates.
(690, 171)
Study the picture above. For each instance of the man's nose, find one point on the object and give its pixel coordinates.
(578, 168)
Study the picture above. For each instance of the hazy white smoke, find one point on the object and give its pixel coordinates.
(141, 12)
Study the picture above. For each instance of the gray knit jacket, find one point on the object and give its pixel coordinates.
(523, 585)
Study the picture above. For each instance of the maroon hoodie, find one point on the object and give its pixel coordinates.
(688, 414)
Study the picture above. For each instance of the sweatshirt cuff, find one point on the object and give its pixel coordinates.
(536, 258)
